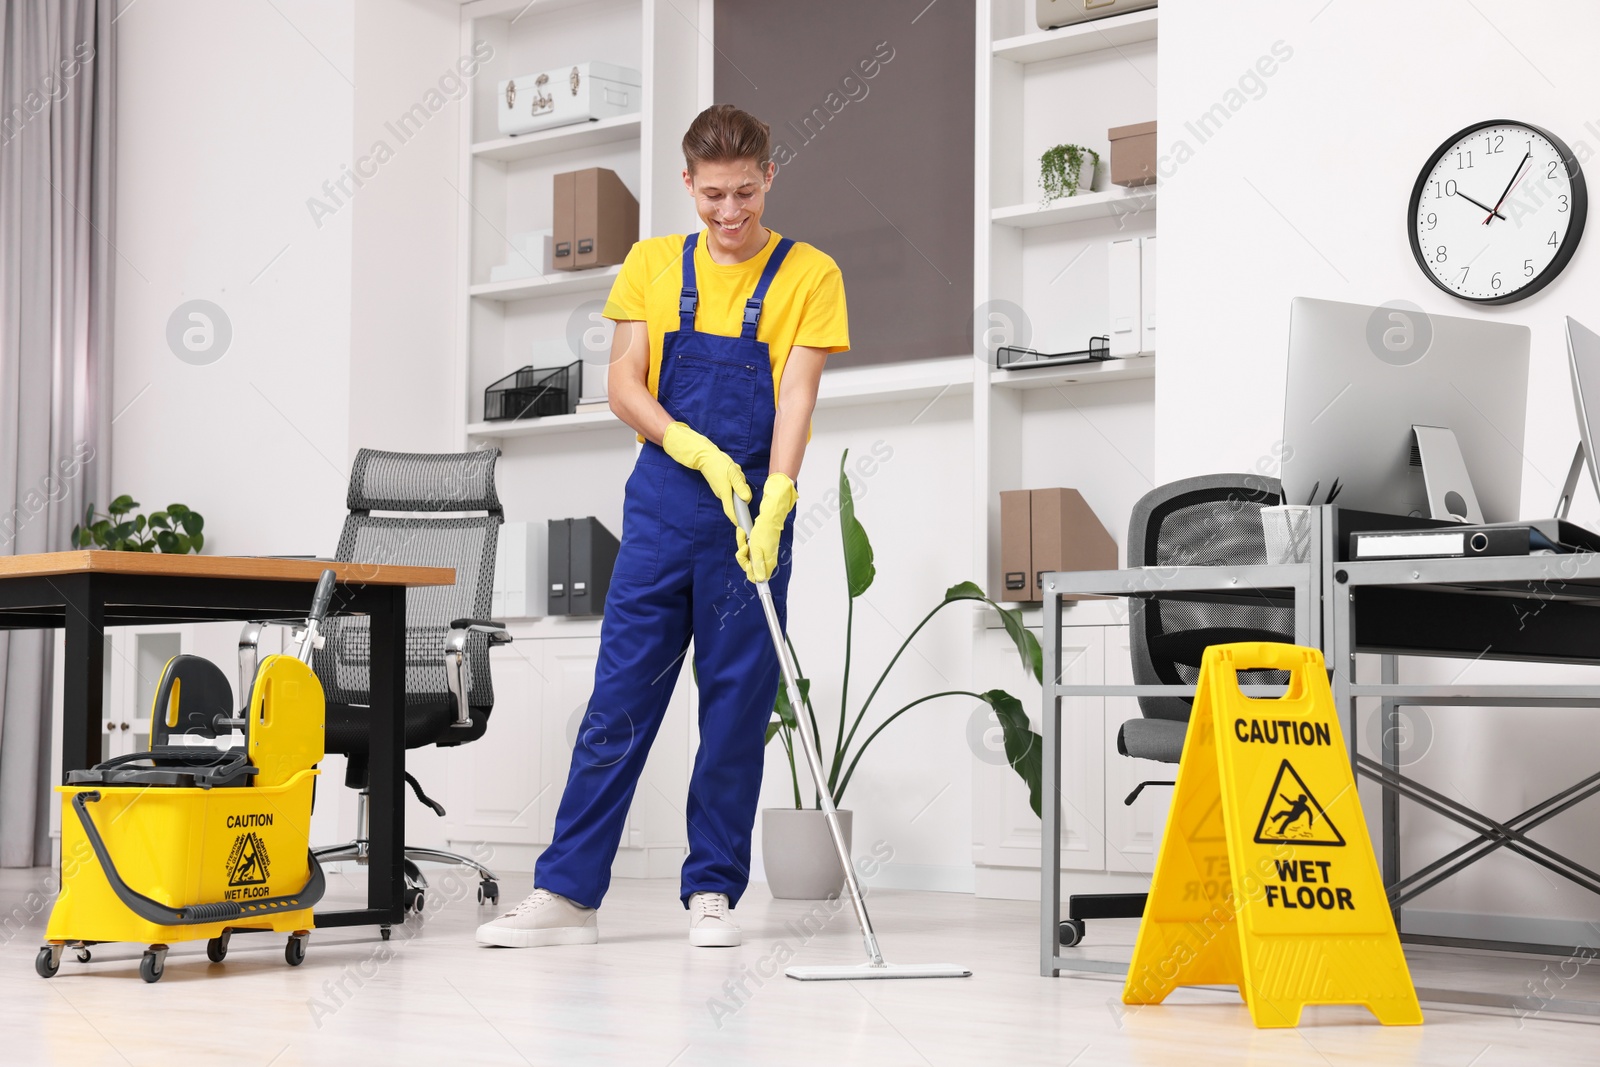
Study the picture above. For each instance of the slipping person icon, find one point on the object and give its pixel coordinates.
(1292, 814)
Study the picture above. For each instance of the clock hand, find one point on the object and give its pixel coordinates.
(1509, 184)
(1485, 207)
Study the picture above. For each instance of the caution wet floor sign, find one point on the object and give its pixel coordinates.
(1275, 889)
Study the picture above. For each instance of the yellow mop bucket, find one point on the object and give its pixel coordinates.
(188, 842)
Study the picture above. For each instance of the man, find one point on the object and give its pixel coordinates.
(720, 342)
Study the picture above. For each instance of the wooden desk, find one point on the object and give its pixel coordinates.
(84, 592)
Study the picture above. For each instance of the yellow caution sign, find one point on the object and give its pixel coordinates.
(1275, 889)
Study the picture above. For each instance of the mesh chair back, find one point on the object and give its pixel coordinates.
(1207, 521)
(436, 496)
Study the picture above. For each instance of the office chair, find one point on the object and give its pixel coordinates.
(443, 512)
(1212, 520)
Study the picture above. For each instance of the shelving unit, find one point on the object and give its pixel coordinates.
(1114, 203)
(560, 139)
(1039, 275)
(1110, 370)
(1077, 40)
(578, 281)
(550, 424)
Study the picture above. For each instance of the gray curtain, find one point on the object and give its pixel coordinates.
(57, 136)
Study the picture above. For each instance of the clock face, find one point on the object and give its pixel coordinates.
(1497, 212)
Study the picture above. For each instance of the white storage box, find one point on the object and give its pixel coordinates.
(582, 93)
(521, 560)
(530, 255)
(1055, 13)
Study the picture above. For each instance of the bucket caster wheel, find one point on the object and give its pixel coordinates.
(1070, 932)
(488, 891)
(83, 954)
(383, 932)
(413, 900)
(294, 951)
(48, 961)
(217, 947)
(154, 963)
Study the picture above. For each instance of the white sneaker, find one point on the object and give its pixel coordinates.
(709, 924)
(544, 918)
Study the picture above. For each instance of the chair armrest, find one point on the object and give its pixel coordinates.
(455, 651)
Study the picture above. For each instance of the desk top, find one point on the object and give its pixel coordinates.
(260, 568)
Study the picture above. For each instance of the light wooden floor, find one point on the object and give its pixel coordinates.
(643, 997)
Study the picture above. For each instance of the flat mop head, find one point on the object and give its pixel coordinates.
(860, 971)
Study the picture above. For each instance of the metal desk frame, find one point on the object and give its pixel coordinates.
(1299, 584)
(1323, 594)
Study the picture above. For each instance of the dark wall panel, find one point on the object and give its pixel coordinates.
(876, 171)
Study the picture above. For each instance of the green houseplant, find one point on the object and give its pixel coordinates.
(177, 530)
(1062, 170)
(1022, 745)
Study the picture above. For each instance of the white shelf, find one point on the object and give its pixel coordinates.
(1114, 32)
(895, 381)
(560, 139)
(588, 420)
(1113, 203)
(577, 281)
(1110, 370)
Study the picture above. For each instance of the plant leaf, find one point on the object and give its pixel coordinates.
(159, 521)
(772, 731)
(1027, 645)
(192, 522)
(167, 541)
(122, 505)
(177, 509)
(198, 541)
(1024, 747)
(858, 566)
(784, 710)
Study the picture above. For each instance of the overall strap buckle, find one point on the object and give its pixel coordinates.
(752, 313)
(688, 300)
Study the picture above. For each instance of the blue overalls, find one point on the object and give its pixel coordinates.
(676, 577)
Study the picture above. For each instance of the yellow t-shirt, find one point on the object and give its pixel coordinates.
(804, 305)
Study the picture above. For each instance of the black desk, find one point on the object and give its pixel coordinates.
(84, 592)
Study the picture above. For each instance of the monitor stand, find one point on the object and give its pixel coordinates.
(1574, 472)
(1444, 474)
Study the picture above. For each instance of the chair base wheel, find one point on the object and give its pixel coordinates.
(488, 891)
(1070, 932)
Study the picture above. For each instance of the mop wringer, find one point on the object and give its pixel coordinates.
(189, 841)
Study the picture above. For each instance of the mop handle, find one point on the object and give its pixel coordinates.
(809, 745)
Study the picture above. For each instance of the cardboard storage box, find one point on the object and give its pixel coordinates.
(1133, 154)
(596, 219)
(1048, 530)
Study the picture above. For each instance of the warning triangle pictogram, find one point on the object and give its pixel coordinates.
(249, 866)
(1293, 816)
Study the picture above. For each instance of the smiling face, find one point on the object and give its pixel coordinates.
(729, 196)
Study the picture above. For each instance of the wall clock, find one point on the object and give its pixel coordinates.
(1497, 212)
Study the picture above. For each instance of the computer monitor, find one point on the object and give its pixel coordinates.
(1362, 380)
(1583, 357)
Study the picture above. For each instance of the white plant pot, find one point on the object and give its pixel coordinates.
(798, 854)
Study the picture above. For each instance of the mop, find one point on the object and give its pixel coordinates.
(875, 967)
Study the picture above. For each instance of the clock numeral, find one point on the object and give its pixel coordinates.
(1527, 266)
(1563, 199)
(1463, 279)
(1464, 166)
(1440, 256)
(1494, 280)
(1431, 219)
(1552, 172)
(1493, 143)
(1552, 241)
(1447, 189)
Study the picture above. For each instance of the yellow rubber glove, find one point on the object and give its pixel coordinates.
(759, 555)
(696, 451)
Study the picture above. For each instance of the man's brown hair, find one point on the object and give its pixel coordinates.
(722, 132)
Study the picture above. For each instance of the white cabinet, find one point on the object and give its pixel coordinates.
(1101, 838)
(503, 790)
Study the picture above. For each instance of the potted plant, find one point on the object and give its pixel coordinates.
(796, 852)
(1067, 169)
(177, 530)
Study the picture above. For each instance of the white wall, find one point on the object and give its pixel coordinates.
(1303, 192)
(232, 119)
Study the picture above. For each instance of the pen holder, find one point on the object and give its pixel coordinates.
(1287, 530)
